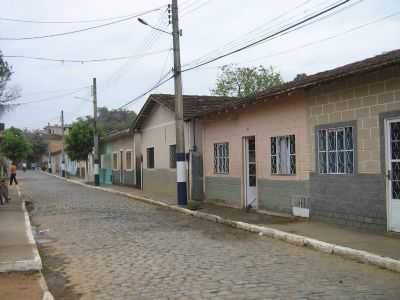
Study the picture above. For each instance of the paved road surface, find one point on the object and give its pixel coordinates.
(102, 246)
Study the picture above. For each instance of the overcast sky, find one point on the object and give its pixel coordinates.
(208, 25)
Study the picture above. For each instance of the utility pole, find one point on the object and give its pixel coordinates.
(62, 145)
(180, 134)
(96, 137)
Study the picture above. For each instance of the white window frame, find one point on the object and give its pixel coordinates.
(221, 159)
(290, 154)
(126, 160)
(102, 161)
(326, 152)
(118, 161)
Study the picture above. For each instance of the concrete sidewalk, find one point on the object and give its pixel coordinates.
(20, 263)
(18, 251)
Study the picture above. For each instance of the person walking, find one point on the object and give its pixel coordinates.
(13, 174)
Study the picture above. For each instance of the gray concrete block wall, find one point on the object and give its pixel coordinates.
(223, 190)
(276, 195)
(357, 201)
(197, 176)
(161, 181)
(128, 178)
(116, 177)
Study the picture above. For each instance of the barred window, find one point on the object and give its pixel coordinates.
(128, 160)
(336, 150)
(283, 155)
(221, 158)
(172, 156)
(150, 158)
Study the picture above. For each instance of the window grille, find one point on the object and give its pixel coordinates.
(221, 158)
(283, 155)
(336, 151)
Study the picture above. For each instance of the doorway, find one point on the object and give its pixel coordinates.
(250, 172)
(392, 137)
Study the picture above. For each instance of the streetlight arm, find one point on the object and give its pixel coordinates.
(151, 26)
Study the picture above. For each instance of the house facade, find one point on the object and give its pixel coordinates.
(241, 166)
(323, 146)
(117, 158)
(155, 129)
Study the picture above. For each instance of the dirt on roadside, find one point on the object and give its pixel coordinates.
(53, 271)
(20, 286)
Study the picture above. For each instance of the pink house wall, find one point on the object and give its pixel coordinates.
(281, 116)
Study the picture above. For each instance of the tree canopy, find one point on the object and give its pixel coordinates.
(7, 95)
(112, 120)
(39, 145)
(243, 82)
(15, 145)
(79, 141)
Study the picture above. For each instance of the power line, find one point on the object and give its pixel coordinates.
(67, 22)
(249, 36)
(278, 33)
(157, 85)
(189, 11)
(82, 61)
(146, 45)
(331, 37)
(78, 30)
(52, 98)
(55, 91)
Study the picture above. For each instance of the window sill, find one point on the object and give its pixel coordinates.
(283, 175)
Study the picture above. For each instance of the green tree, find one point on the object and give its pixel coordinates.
(39, 145)
(15, 145)
(7, 95)
(112, 120)
(79, 141)
(242, 82)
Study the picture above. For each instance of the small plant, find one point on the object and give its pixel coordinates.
(194, 205)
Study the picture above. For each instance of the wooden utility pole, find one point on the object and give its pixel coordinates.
(96, 137)
(62, 145)
(180, 135)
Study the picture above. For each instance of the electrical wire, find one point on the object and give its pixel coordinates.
(161, 82)
(186, 12)
(78, 30)
(146, 45)
(52, 98)
(250, 35)
(83, 61)
(68, 22)
(268, 37)
(55, 91)
(306, 45)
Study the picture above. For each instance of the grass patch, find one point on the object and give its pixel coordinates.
(194, 205)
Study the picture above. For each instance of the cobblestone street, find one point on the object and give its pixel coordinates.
(102, 246)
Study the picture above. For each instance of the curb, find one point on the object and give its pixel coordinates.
(294, 239)
(46, 293)
(34, 264)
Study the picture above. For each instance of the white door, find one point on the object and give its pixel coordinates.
(250, 172)
(393, 173)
